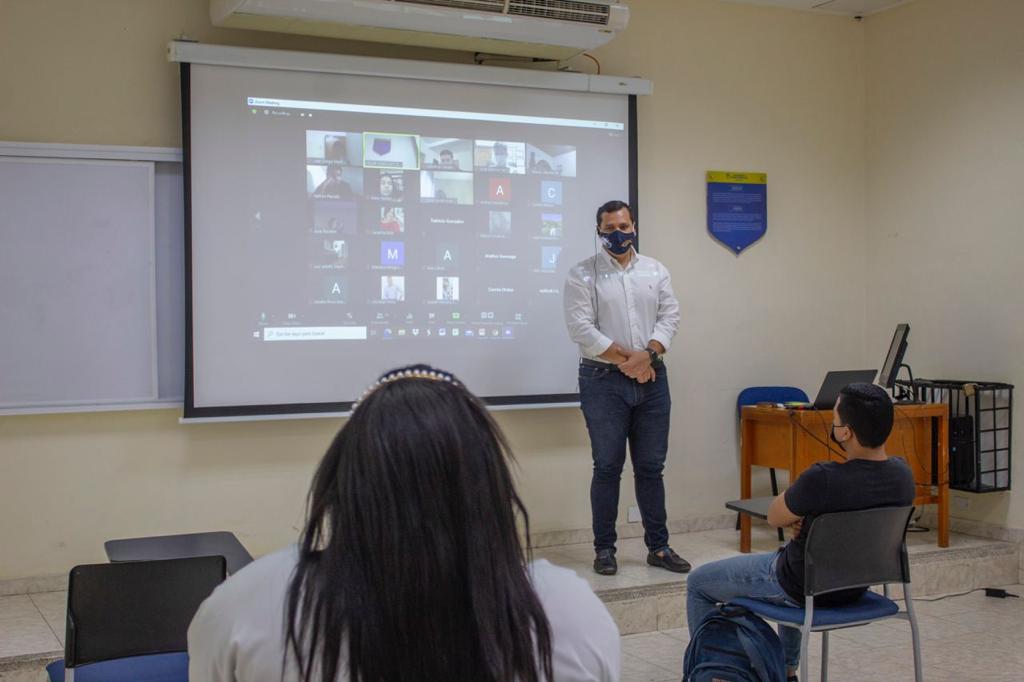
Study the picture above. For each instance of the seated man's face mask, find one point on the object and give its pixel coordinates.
(832, 434)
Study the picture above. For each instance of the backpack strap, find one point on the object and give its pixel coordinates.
(757, 661)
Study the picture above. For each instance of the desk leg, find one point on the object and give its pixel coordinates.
(746, 442)
(943, 479)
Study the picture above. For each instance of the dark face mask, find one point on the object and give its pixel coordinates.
(617, 241)
(832, 435)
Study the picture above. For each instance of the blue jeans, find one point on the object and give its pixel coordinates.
(620, 410)
(749, 575)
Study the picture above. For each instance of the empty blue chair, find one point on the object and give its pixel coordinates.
(128, 622)
(847, 550)
(769, 394)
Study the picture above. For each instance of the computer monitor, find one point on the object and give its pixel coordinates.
(894, 359)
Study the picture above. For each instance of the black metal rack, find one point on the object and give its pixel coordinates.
(980, 429)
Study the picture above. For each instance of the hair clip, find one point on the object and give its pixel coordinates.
(400, 374)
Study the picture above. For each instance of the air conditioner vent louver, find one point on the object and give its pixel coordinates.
(497, 6)
(563, 10)
(575, 11)
(540, 29)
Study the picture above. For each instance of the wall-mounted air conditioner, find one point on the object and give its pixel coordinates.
(552, 29)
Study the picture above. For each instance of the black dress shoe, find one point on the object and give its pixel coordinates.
(604, 562)
(668, 560)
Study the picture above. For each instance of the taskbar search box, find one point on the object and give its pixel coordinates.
(314, 334)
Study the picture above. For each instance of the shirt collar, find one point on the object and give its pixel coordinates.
(610, 261)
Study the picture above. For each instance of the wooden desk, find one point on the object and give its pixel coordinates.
(795, 439)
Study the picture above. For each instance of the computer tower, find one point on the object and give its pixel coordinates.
(961, 452)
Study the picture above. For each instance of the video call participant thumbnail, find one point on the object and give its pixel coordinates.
(398, 151)
(333, 182)
(446, 153)
(334, 147)
(446, 187)
(331, 252)
(500, 157)
(391, 186)
(493, 190)
(448, 289)
(551, 225)
(335, 216)
(499, 223)
(392, 219)
(392, 288)
(551, 159)
(549, 256)
(551, 192)
(331, 289)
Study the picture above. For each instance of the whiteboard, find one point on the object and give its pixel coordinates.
(91, 280)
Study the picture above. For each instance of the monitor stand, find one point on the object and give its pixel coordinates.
(903, 398)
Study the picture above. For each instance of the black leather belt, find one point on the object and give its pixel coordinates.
(587, 362)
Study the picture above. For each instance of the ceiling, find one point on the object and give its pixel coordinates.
(851, 8)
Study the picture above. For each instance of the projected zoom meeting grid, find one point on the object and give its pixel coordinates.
(399, 218)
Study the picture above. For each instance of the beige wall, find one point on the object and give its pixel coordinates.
(736, 88)
(945, 161)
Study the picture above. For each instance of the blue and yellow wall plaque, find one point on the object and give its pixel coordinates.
(737, 208)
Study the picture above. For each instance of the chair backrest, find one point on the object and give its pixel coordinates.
(134, 608)
(856, 549)
(769, 394)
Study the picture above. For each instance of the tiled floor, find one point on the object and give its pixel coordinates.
(968, 638)
(965, 638)
(31, 631)
(711, 545)
(26, 628)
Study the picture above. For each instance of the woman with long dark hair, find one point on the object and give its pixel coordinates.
(410, 565)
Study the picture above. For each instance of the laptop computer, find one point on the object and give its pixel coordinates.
(835, 381)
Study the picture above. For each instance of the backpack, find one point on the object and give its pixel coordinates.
(731, 644)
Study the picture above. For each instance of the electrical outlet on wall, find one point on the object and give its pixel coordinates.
(633, 516)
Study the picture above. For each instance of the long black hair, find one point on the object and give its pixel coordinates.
(410, 563)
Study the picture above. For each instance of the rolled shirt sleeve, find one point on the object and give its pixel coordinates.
(667, 322)
(579, 314)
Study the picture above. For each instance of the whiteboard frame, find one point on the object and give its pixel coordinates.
(91, 151)
(348, 413)
(42, 151)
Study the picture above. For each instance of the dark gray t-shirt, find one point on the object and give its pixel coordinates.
(833, 487)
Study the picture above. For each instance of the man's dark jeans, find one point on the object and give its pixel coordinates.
(617, 410)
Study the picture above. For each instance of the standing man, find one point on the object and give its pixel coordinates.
(620, 310)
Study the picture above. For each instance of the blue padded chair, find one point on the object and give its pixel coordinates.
(847, 550)
(128, 622)
(769, 394)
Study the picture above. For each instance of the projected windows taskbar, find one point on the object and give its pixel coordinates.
(357, 333)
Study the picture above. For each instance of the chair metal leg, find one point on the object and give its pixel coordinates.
(775, 492)
(824, 656)
(805, 638)
(915, 636)
(69, 675)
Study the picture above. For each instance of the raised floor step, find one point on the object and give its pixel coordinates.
(644, 599)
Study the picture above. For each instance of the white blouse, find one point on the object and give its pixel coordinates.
(238, 633)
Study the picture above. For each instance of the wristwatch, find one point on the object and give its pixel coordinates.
(654, 355)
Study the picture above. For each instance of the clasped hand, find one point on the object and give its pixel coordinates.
(638, 366)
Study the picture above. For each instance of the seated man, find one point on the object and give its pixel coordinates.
(861, 422)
